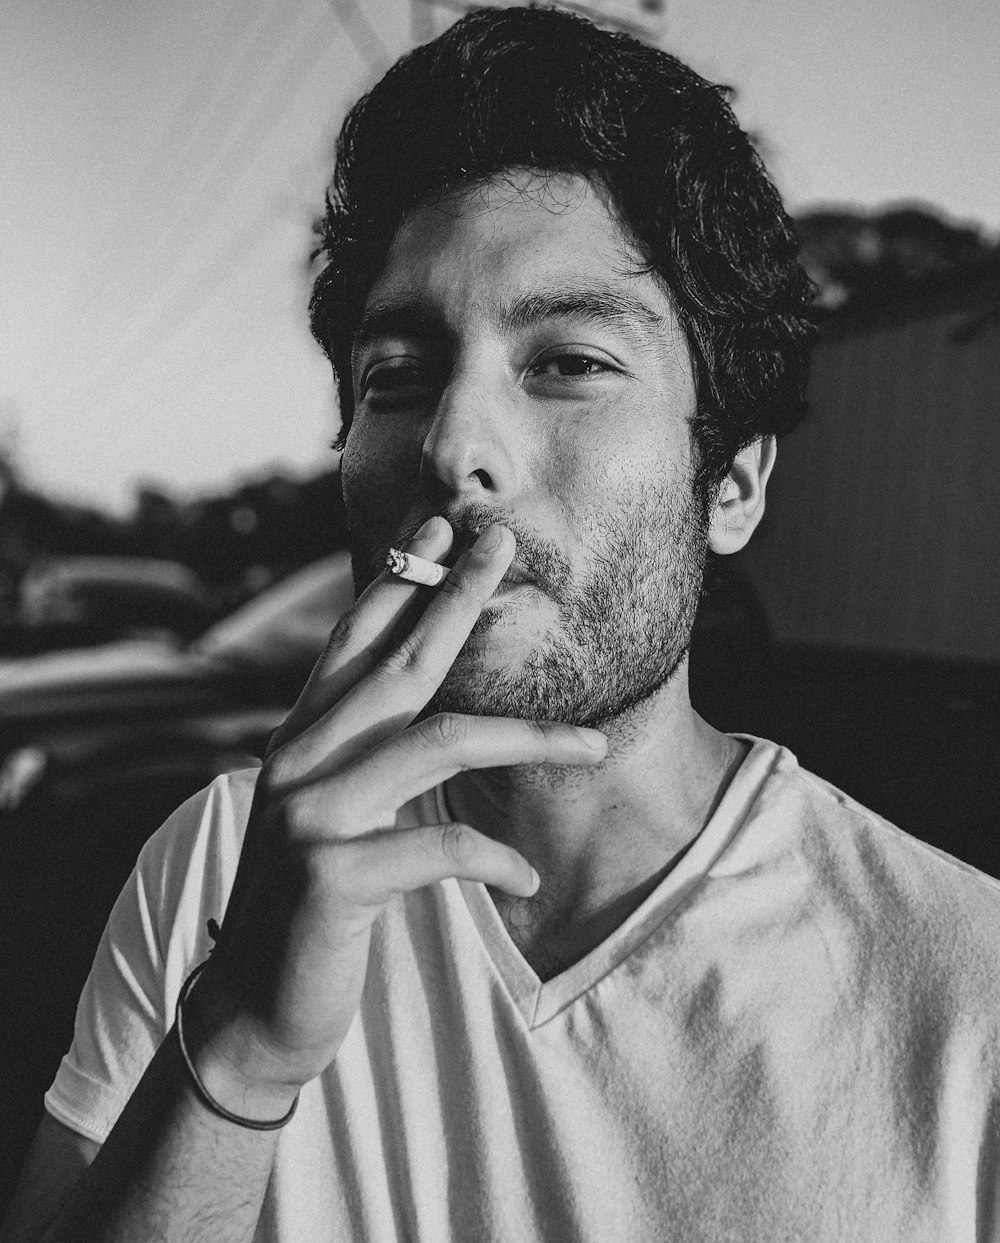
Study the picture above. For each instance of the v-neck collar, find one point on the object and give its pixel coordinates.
(539, 1001)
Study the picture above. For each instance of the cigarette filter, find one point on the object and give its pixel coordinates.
(415, 569)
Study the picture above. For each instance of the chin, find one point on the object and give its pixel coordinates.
(486, 679)
(555, 683)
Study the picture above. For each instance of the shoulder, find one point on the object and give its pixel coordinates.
(205, 831)
(900, 904)
(841, 834)
(806, 813)
(186, 869)
(156, 932)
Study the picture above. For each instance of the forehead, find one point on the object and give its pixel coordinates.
(477, 247)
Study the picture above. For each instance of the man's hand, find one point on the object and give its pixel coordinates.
(322, 856)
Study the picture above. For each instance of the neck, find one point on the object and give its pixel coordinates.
(601, 838)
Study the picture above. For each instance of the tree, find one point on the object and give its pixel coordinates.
(859, 256)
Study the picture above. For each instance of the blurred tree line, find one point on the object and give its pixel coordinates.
(860, 257)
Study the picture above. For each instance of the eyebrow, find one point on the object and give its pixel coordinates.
(409, 317)
(595, 304)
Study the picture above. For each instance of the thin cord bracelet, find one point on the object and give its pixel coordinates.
(250, 1123)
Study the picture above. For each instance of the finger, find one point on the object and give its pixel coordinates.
(358, 639)
(374, 868)
(366, 794)
(398, 686)
(429, 650)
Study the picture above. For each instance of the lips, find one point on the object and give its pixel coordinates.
(517, 574)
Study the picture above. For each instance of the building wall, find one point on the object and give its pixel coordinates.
(883, 525)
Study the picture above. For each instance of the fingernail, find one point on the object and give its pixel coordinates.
(491, 540)
(593, 738)
(426, 530)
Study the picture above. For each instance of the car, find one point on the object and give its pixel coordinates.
(86, 600)
(80, 725)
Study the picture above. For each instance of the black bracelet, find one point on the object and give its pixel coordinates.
(250, 1123)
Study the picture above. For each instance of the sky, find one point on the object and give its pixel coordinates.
(162, 164)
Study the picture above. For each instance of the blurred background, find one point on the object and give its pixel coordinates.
(171, 532)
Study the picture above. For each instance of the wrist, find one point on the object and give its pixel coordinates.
(221, 1063)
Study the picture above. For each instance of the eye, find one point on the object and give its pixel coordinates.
(569, 365)
(398, 379)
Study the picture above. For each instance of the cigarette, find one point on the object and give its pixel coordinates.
(415, 569)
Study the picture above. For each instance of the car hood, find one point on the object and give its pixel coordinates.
(258, 656)
(78, 666)
(91, 678)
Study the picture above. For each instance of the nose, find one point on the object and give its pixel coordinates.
(467, 451)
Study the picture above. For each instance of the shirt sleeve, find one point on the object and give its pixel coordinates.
(156, 933)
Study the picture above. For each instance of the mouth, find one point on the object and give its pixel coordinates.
(514, 583)
(517, 576)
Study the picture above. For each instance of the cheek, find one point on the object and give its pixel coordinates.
(377, 473)
(564, 458)
(599, 471)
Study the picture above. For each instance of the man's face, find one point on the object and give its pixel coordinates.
(512, 367)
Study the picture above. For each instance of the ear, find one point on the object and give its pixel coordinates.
(740, 504)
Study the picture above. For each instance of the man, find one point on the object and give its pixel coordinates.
(528, 949)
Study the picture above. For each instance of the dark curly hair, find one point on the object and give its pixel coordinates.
(542, 89)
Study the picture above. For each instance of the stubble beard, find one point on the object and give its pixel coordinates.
(620, 637)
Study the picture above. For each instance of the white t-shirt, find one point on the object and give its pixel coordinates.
(794, 1037)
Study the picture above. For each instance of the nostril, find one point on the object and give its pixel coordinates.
(484, 478)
